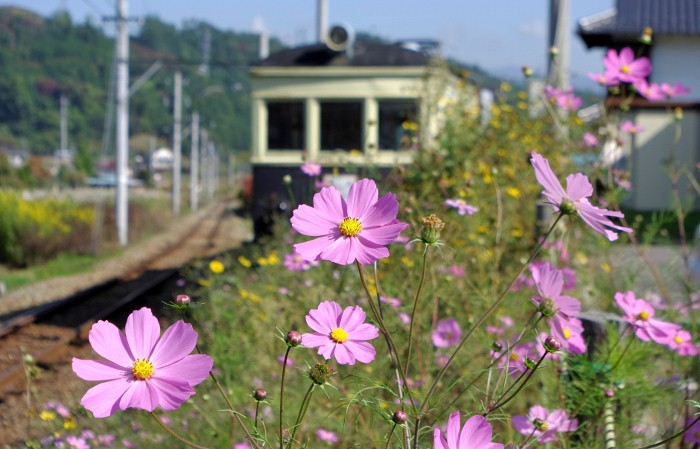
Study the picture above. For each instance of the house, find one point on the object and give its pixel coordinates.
(349, 106)
(675, 56)
(16, 158)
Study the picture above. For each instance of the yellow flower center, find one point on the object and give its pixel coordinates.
(625, 69)
(142, 369)
(541, 425)
(514, 356)
(350, 227)
(567, 333)
(678, 339)
(339, 335)
(644, 315)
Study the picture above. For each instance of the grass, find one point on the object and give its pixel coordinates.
(63, 265)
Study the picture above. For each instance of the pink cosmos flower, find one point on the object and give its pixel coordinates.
(570, 334)
(682, 343)
(676, 90)
(575, 198)
(143, 369)
(76, 443)
(624, 67)
(462, 207)
(393, 302)
(327, 436)
(568, 101)
(590, 140)
(514, 362)
(543, 424)
(441, 359)
(357, 230)
(692, 435)
(295, 262)
(242, 445)
(631, 128)
(476, 434)
(342, 334)
(640, 314)
(59, 408)
(311, 168)
(550, 283)
(603, 79)
(457, 271)
(447, 333)
(557, 308)
(553, 92)
(651, 92)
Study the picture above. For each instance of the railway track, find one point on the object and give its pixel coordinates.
(48, 331)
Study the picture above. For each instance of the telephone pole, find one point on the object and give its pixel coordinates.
(177, 142)
(558, 66)
(194, 162)
(64, 122)
(122, 51)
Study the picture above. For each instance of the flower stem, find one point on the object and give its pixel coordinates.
(397, 374)
(388, 439)
(413, 312)
(284, 371)
(478, 323)
(675, 435)
(622, 355)
(493, 362)
(502, 401)
(257, 412)
(302, 411)
(387, 335)
(175, 435)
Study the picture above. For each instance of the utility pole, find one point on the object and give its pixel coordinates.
(194, 162)
(122, 51)
(64, 122)
(322, 20)
(204, 162)
(177, 142)
(558, 67)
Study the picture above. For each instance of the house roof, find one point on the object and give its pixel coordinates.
(364, 54)
(625, 23)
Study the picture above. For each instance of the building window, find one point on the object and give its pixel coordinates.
(398, 124)
(341, 125)
(285, 125)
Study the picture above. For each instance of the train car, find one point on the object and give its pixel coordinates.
(354, 108)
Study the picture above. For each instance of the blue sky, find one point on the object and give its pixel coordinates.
(498, 35)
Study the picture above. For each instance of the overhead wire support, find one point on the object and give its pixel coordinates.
(122, 125)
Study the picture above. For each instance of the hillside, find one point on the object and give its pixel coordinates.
(44, 58)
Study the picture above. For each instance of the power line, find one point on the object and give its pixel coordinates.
(94, 8)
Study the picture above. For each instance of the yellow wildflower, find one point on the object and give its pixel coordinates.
(245, 262)
(514, 192)
(216, 267)
(70, 424)
(47, 415)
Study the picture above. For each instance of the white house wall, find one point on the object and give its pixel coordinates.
(651, 150)
(677, 60)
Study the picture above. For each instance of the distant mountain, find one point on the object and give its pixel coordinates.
(42, 59)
